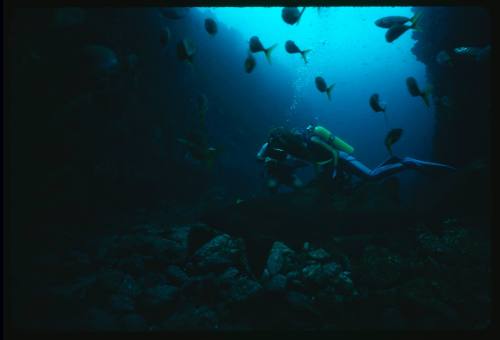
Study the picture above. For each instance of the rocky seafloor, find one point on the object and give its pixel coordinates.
(155, 277)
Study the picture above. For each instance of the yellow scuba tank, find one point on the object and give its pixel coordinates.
(335, 141)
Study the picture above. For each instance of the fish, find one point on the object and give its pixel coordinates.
(250, 63)
(396, 30)
(443, 58)
(375, 104)
(479, 54)
(256, 46)
(174, 13)
(291, 15)
(378, 107)
(199, 150)
(99, 59)
(211, 26)
(388, 22)
(164, 36)
(322, 87)
(292, 48)
(392, 137)
(414, 90)
(186, 51)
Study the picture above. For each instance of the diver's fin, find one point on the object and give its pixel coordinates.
(304, 54)
(329, 91)
(268, 51)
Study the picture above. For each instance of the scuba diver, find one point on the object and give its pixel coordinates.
(331, 155)
(280, 165)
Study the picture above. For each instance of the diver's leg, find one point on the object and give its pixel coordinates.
(356, 167)
(352, 165)
(425, 165)
(390, 160)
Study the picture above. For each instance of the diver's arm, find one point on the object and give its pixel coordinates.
(261, 155)
(295, 162)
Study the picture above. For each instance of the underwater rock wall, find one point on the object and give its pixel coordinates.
(461, 91)
(84, 144)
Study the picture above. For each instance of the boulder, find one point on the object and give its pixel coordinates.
(198, 235)
(121, 303)
(158, 299)
(319, 276)
(218, 254)
(176, 275)
(201, 289)
(193, 318)
(281, 259)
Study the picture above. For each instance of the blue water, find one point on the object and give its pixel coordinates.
(348, 49)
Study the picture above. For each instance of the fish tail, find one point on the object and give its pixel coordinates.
(425, 95)
(415, 22)
(304, 54)
(329, 91)
(268, 51)
(300, 15)
(389, 149)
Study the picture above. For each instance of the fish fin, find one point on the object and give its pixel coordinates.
(304, 54)
(425, 95)
(329, 91)
(415, 22)
(300, 16)
(268, 51)
(389, 149)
